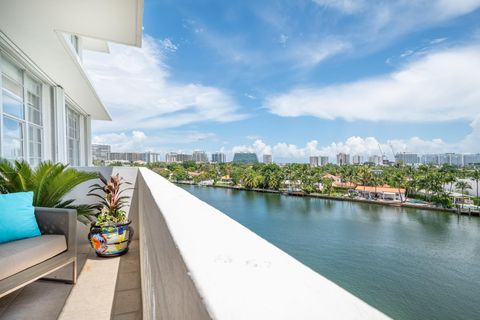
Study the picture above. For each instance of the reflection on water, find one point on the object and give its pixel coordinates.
(409, 263)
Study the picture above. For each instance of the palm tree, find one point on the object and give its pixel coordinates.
(327, 185)
(475, 175)
(365, 176)
(49, 181)
(398, 181)
(462, 186)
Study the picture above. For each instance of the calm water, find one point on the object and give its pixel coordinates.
(408, 263)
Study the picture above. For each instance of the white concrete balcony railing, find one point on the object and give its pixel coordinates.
(197, 263)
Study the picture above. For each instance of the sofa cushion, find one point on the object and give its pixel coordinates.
(19, 255)
(17, 217)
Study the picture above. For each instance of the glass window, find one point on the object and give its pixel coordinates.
(12, 105)
(33, 100)
(12, 78)
(20, 111)
(35, 145)
(73, 137)
(12, 139)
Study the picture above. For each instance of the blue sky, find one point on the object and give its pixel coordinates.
(296, 78)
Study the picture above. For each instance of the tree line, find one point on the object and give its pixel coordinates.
(432, 183)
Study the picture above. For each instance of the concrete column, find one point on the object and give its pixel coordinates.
(59, 125)
(47, 122)
(88, 141)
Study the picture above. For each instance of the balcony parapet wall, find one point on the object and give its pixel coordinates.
(197, 263)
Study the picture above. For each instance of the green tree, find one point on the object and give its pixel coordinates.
(180, 174)
(327, 185)
(398, 181)
(365, 176)
(251, 179)
(50, 183)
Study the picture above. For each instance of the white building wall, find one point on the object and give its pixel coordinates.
(53, 108)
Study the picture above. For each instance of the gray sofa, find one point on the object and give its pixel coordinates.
(24, 261)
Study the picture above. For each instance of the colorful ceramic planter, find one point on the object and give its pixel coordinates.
(111, 241)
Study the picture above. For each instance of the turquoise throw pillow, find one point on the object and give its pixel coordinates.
(17, 217)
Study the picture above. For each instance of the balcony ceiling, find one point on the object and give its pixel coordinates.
(37, 27)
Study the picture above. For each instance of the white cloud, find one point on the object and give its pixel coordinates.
(136, 86)
(122, 141)
(138, 141)
(438, 40)
(283, 40)
(378, 23)
(470, 142)
(366, 146)
(346, 6)
(168, 45)
(430, 9)
(440, 86)
(311, 53)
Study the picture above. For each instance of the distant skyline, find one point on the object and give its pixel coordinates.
(295, 79)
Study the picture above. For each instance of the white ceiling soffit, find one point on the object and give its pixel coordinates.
(95, 45)
(36, 28)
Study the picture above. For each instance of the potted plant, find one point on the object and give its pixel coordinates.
(111, 233)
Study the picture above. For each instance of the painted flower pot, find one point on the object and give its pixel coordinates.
(111, 241)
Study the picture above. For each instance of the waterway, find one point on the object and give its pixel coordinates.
(408, 263)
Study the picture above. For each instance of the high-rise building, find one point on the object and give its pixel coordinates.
(471, 159)
(183, 157)
(174, 157)
(407, 158)
(147, 157)
(456, 159)
(376, 160)
(152, 157)
(171, 157)
(357, 159)
(323, 160)
(100, 152)
(245, 157)
(219, 157)
(314, 161)
(199, 156)
(453, 159)
(430, 159)
(343, 159)
(267, 158)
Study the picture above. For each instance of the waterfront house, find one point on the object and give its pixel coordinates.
(338, 183)
(461, 199)
(292, 185)
(381, 193)
(192, 174)
(226, 179)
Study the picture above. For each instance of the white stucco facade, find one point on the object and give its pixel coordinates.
(47, 101)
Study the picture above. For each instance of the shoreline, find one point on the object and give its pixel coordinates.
(339, 198)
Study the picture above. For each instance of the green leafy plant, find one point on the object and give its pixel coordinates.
(111, 204)
(50, 183)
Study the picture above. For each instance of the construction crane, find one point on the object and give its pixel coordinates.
(381, 152)
(393, 151)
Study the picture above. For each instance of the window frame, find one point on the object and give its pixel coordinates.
(76, 157)
(26, 122)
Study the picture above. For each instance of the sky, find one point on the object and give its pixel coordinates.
(295, 78)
